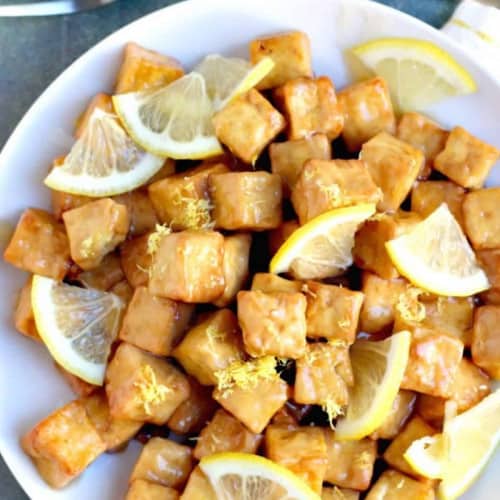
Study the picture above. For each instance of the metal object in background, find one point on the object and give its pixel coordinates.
(50, 8)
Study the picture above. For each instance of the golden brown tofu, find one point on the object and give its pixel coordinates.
(401, 410)
(103, 277)
(327, 184)
(247, 125)
(466, 159)
(334, 493)
(485, 346)
(79, 386)
(210, 346)
(394, 166)
(278, 236)
(273, 323)
(143, 387)
(310, 106)
(143, 69)
(188, 266)
(154, 324)
(24, 319)
(94, 230)
(332, 311)
(167, 169)
(62, 202)
(146, 490)
(490, 262)
(99, 101)
(198, 487)
(63, 444)
(350, 463)
(367, 109)
(271, 283)
(482, 218)
(246, 200)
(140, 210)
(136, 261)
(301, 450)
(39, 245)
(393, 485)
(123, 290)
(291, 414)
(288, 158)
(290, 52)
(491, 297)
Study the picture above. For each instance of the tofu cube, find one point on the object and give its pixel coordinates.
(273, 323)
(367, 109)
(144, 69)
(24, 319)
(291, 414)
(103, 277)
(288, 158)
(272, 283)
(63, 444)
(140, 210)
(392, 485)
(394, 166)
(146, 490)
(166, 170)
(401, 410)
(490, 262)
(247, 125)
(466, 159)
(485, 346)
(143, 387)
(62, 202)
(188, 266)
(198, 487)
(136, 260)
(290, 52)
(334, 493)
(310, 106)
(327, 184)
(276, 237)
(79, 386)
(482, 218)
(39, 245)
(246, 200)
(301, 450)
(99, 101)
(210, 346)
(94, 230)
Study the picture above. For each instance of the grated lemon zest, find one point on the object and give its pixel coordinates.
(150, 391)
(305, 289)
(408, 305)
(213, 336)
(338, 343)
(344, 323)
(146, 270)
(332, 409)
(338, 493)
(363, 460)
(155, 238)
(196, 211)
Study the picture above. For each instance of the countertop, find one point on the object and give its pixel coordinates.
(34, 51)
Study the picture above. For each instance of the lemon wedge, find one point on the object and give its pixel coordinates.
(426, 456)
(322, 247)
(104, 161)
(378, 369)
(436, 256)
(418, 72)
(77, 325)
(243, 476)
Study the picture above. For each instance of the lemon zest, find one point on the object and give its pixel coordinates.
(305, 289)
(195, 210)
(363, 460)
(332, 409)
(344, 323)
(213, 336)
(338, 493)
(150, 391)
(155, 238)
(409, 307)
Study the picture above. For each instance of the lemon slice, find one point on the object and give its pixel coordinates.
(228, 77)
(436, 256)
(77, 325)
(173, 121)
(426, 456)
(378, 369)
(243, 476)
(322, 247)
(418, 72)
(104, 161)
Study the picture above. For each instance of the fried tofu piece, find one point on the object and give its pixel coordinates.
(39, 245)
(401, 410)
(334, 493)
(63, 444)
(79, 386)
(103, 277)
(310, 106)
(350, 463)
(271, 283)
(210, 346)
(140, 210)
(24, 319)
(123, 290)
(136, 260)
(166, 170)
(188, 266)
(327, 184)
(144, 69)
(273, 323)
(140, 489)
(485, 346)
(143, 387)
(392, 485)
(247, 125)
(62, 202)
(301, 450)
(198, 487)
(490, 262)
(291, 414)
(290, 52)
(466, 159)
(94, 230)
(99, 101)
(394, 166)
(276, 237)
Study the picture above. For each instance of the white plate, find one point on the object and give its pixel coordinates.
(30, 388)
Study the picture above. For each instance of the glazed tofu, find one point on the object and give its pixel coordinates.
(278, 236)
(466, 159)
(485, 346)
(63, 444)
(136, 260)
(39, 245)
(198, 487)
(290, 53)
(271, 283)
(247, 125)
(24, 319)
(301, 450)
(146, 490)
(310, 106)
(288, 158)
(225, 433)
(394, 166)
(334, 493)
(166, 170)
(165, 462)
(291, 414)
(94, 230)
(490, 262)
(246, 200)
(188, 266)
(79, 386)
(99, 101)
(154, 324)
(273, 323)
(367, 109)
(392, 485)
(401, 410)
(103, 277)
(350, 463)
(210, 346)
(140, 210)
(144, 69)
(327, 184)
(482, 218)
(143, 387)
(332, 311)
(62, 202)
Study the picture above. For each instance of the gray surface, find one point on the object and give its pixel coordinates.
(34, 51)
